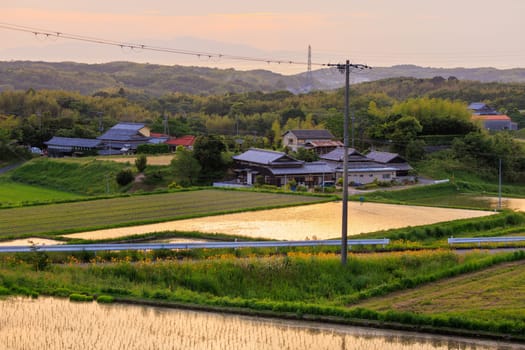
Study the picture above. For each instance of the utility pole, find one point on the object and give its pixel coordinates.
(345, 68)
(499, 185)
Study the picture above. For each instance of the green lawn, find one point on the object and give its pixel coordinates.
(13, 193)
(124, 211)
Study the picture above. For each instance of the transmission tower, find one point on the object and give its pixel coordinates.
(309, 78)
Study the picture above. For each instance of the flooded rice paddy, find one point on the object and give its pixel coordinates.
(49, 324)
(315, 221)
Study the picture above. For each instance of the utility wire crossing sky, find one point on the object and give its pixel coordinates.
(445, 33)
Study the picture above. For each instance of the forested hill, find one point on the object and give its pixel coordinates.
(158, 80)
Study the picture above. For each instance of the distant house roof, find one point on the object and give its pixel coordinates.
(477, 105)
(62, 142)
(311, 134)
(337, 155)
(324, 143)
(186, 141)
(125, 132)
(491, 117)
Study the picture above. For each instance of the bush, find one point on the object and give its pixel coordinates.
(141, 162)
(80, 297)
(105, 299)
(124, 177)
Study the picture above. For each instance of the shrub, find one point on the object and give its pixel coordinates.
(141, 162)
(105, 299)
(80, 297)
(124, 177)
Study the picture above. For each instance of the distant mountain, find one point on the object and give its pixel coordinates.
(159, 79)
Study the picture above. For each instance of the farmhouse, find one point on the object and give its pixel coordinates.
(361, 169)
(496, 122)
(491, 119)
(321, 141)
(278, 168)
(124, 138)
(67, 146)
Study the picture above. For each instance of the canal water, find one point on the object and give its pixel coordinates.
(50, 323)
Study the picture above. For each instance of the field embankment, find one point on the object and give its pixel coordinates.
(310, 286)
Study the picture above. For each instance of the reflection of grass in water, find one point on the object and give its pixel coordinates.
(49, 324)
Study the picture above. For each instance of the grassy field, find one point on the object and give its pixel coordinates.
(13, 193)
(492, 295)
(82, 176)
(125, 211)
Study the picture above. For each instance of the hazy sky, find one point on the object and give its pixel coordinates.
(444, 33)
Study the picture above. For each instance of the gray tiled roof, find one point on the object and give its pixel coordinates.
(385, 157)
(124, 132)
(262, 156)
(338, 154)
(307, 168)
(57, 141)
(312, 134)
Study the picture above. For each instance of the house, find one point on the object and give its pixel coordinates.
(495, 122)
(185, 141)
(125, 137)
(67, 146)
(480, 108)
(361, 169)
(320, 140)
(278, 168)
(393, 160)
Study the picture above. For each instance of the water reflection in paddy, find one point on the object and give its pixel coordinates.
(48, 323)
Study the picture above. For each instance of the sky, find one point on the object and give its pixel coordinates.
(429, 33)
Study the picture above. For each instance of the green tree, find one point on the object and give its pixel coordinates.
(185, 168)
(124, 177)
(208, 152)
(141, 162)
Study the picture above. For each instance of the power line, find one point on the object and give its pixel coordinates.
(135, 46)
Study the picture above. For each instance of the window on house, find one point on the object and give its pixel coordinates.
(386, 176)
(371, 175)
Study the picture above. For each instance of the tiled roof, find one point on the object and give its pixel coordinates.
(385, 157)
(327, 143)
(187, 140)
(124, 132)
(312, 134)
(57, 141)
(307, 168)
(477, 105)
(338, 154)
(263, 156)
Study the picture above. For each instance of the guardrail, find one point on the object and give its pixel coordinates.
(207, 245)
(480, 240)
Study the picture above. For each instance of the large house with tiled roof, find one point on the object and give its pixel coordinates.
(393, 160)
(361, 169)
(279, 169)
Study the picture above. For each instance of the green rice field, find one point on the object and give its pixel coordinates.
(13, 193)
(124, 211)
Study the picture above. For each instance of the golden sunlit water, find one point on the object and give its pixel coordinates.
(50, 324)
(315, 221)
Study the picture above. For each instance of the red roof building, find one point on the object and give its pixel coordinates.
(186, 141)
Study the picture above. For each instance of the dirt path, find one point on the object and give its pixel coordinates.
(317, 221)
